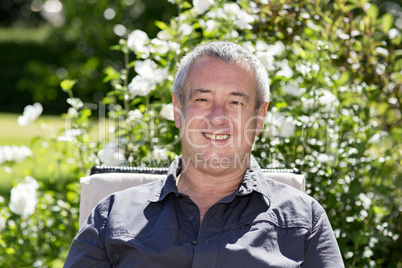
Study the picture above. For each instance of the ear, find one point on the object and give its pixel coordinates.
(262, 111)
(177, 110)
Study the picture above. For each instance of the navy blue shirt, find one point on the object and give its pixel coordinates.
(263, 224)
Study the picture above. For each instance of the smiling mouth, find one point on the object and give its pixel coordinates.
(216, 137)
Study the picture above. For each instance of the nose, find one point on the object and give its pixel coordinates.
(217, 116)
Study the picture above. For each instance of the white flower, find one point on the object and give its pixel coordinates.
(185, 29)
(393, 33)
(366, 200)
(243, 20)
(326, 98)
(150, 71)
(167, 112)
(267, 59)
(211, 25)
(277, 49)
(174, 47)
(219, 13)
(140, 86)
(14, 153)
(31, 113)
(307, 68)
(133, 115)
(149, 75)
(382, 51)
(285, 70)
(138, 42)
(164, 35)
(23, 197)
(3, 223)
(201, 6)
(249, 46)
(279, 125)
(159, 46)
(69, 135)
(307, 103)
(6, 154)
(111, 156)
(160, 154)
(21, 153)
(265, 53)
(323, 97)
(287, 127)
(261, 45)
(231, 9)
(292, 90)
(76, 103)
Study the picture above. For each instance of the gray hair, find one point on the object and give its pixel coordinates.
(229, 53)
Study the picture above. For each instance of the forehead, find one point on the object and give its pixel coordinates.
(211, 72)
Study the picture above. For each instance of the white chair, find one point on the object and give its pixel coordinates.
(106, 180)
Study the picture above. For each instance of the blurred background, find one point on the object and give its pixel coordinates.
(351, 154)
(44, 42)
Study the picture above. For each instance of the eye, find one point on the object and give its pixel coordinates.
(201, 100)
(237, 103)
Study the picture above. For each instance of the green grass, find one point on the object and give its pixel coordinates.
(40, 164)
(14, 134)
(19, 34)
(52, 166)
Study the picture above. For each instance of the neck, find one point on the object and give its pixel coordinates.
(206, 188)
(201, 183)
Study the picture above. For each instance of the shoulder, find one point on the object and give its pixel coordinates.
(293, 207)
(134, 198)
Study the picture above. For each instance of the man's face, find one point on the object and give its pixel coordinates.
(218, 120)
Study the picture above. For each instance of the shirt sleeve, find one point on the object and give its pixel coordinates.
(321, 247)
(87, 248)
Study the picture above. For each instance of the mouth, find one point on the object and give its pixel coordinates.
(219, 137)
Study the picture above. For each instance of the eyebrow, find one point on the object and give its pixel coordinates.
(203, 90)
(198, 91)
(240, 94)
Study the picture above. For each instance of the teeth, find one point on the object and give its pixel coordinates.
(216, 137)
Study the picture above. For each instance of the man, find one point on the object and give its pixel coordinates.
(215, 208)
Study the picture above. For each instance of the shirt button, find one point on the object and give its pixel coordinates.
(191, 218)
(194, 242)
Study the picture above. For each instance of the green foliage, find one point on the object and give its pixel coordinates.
(335, 113)
(43, 239)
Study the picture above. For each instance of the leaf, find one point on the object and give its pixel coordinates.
(67, 84)
(387, 21)
(161, 25)
(187, 5)
(372, 12)
(345, 76)
(111, 74)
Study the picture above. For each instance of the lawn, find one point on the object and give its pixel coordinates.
(39, 164)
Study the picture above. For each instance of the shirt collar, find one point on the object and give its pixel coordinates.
(253, 181)
(169, 185)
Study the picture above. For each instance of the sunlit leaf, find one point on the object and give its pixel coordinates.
(344, 78)
(111, 74)
(67, 84)
(372, 12)
(161, 25)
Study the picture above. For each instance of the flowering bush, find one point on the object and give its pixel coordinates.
(23, 197)
(334, 114)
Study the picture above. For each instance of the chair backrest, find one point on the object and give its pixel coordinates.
(106, 180)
